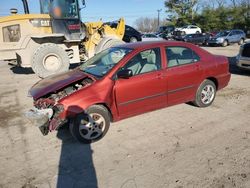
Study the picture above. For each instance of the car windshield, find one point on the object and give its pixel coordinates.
(103, 62)
(222, 34)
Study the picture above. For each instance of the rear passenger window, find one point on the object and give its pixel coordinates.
(239, 32)
(233, 33)
(177, 56)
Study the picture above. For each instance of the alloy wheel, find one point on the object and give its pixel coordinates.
(92, 126)
(207, 94)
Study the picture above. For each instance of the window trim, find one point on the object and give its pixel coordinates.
(6, 27)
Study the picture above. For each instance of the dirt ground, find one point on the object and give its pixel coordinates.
(181, 146)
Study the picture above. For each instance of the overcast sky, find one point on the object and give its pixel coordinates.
(107, 10)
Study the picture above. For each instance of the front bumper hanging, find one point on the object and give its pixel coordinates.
(40, 118)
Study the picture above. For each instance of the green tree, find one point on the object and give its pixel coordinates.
(224, 17)
(182, 11)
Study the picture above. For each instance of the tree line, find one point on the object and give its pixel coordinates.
(212, 15)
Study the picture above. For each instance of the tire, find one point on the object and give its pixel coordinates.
(205, 43)
(133, 39)
(107, 43)
(197, 32)
(225, 43)
(241, 41)
(205, 94)
(88, 132)
(49, 59)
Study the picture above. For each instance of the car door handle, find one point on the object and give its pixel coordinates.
(159, 76)
(197, 67)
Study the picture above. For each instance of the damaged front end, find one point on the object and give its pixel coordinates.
(46, 119)
(48, 113)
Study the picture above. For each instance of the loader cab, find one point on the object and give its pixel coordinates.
(65, 17)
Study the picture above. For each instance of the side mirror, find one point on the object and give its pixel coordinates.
(83, 3)
(125, 73)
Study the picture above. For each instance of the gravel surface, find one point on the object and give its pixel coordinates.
(180, 146)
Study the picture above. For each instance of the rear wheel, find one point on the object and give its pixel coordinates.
(90, 126)
(49, 59)
(197, 32)
(133, 39)
(205, 94)
(205, 43)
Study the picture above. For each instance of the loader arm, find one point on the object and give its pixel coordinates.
(100, 34)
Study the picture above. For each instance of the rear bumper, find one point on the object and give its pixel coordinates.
(243, 63)
(223, 80)
(214, 42)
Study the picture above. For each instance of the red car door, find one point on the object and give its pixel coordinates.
(146, 89)
(184, 74)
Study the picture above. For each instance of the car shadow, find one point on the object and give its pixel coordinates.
(76, 168)
(236, 70)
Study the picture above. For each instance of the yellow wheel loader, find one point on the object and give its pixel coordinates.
(50, 41)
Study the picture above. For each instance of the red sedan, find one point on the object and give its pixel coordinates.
(124, 81)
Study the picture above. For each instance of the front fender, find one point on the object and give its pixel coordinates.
(80, 101)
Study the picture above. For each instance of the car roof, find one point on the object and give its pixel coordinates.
(149, 44)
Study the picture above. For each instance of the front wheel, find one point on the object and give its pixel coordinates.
(225, 43)
(205, 94)
(90, 126)
(241, 42)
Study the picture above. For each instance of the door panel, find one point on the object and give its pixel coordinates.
(146, 89)
(140, 93)
(183, 74)
(182, 82)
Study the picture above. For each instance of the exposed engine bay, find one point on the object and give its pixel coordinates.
(51, 99)
(47, 109)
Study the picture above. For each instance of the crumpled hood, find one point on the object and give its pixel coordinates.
(55, 82)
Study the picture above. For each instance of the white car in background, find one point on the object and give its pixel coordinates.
(151, 37)
(188, 29)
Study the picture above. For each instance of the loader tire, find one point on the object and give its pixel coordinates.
(107, 43)
(49, 59)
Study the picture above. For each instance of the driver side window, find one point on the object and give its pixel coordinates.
(145, 61)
